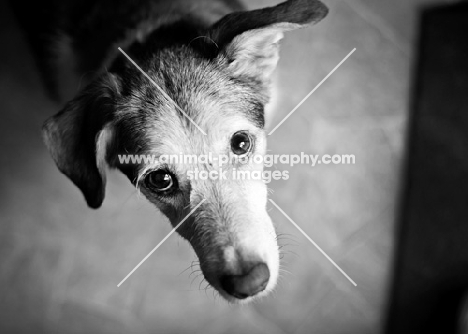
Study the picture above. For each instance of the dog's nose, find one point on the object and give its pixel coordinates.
(249, 284)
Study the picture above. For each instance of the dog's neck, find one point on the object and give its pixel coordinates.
(164, 23)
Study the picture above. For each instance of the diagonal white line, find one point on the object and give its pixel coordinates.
(161, 90)
(313, 242)
(311, 92)
(162, 241)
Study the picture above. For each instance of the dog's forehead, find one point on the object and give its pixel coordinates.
(177, 134)
(200, 95)
(206, 88)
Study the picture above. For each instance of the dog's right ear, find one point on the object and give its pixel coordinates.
(249, 40)
(79, 135)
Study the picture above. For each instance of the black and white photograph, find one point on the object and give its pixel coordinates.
(234, 167)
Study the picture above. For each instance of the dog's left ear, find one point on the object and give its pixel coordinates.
(79, 135)
(249, 40)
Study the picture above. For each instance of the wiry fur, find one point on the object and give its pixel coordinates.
(219, 73)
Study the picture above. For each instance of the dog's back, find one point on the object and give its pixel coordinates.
(73, 41)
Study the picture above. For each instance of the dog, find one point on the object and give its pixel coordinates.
(215, 62)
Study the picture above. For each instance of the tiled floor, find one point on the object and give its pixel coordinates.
(60, 262)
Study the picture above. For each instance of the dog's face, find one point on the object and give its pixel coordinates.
(231, 231)
(224, 95)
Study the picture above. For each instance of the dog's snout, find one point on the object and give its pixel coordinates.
(253, 281)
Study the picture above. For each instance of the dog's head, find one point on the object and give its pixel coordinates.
(221, 82)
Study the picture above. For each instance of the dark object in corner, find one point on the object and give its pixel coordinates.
(431, 273)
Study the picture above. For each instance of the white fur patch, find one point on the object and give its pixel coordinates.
(103, 141)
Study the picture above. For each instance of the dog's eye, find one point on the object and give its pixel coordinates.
(160, 181)
(241, 143)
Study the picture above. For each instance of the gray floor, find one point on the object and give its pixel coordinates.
(60, 261)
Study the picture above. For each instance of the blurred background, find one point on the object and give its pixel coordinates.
(60, 262)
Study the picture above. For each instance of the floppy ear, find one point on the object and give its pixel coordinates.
(249, 40)
(79, 135)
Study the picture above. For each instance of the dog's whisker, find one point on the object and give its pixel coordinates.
(199, 285)
(215, 296)
(189, 267)
(183, 271)
(286, 247)
(288, 251)
(280, 283)
(289, 243)
(195, 278)
(286, 236)
(194, 263)
(286, 271)
(195, 272)
(207, 287)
